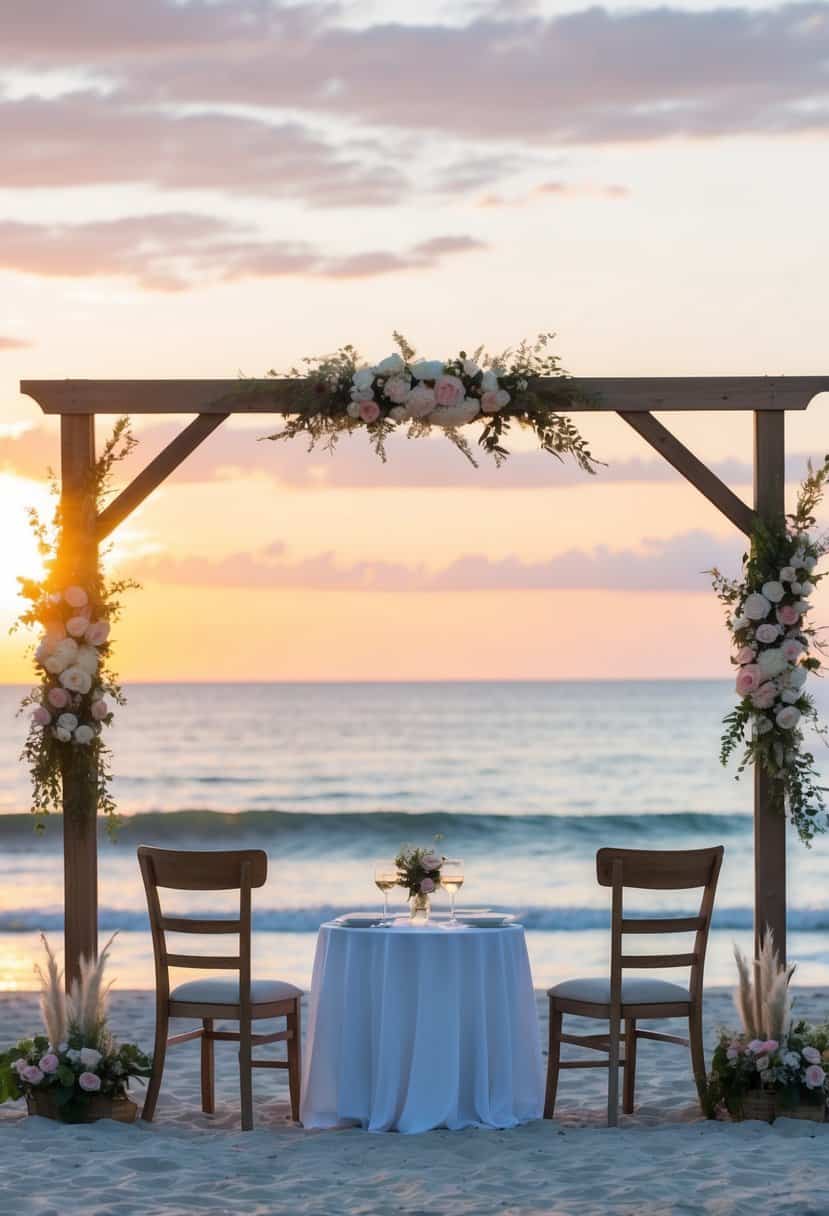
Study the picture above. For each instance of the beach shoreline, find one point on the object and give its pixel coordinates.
(665, 1158)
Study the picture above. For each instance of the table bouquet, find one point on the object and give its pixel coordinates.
(772, 1066)
(76, 1072)
(418, 870)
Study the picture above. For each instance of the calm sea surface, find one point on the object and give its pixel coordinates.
(524, 781)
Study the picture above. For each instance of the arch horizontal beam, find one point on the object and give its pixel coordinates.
(628, 394)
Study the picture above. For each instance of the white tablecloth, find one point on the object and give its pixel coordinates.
(412, 1028)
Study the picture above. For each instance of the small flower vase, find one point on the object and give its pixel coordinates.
(419, 908)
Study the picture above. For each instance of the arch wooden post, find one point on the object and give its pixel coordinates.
(78, 563)
(769, 816)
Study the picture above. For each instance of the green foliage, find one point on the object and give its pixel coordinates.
(323, 416)
(50, 758)
(754, 725)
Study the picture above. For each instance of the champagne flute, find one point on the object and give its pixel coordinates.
(451, 879)
(385, 877)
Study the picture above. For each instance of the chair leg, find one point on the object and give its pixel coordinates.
(553, 1059)
(162, 1023)
(245, 1075)
(295, 1059)
(630, 1066)
(208, 1069)
(698, 1053)
(613, 1070)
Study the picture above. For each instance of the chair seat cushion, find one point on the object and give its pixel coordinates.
(636, 990)
(212, 991)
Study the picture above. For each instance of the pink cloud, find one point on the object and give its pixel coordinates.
(13, 343)
(177, 250)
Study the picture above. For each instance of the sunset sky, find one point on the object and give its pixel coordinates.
(197, 189)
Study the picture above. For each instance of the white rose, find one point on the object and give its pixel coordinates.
(791, 1059)
(764, 726)
(363, 377)
(502, 398)
(789, 695)
(420, 401)
(788, 574)
(454, 415)
(740, 622)
(67, 722)
(397, 389)
(399, 413)
(772, 662)
(806, 588)
(763, 1063)
(62, 656)
(797, 677)
(809, 563)
(427, 369)
(756, 607)
(788, 717)
(73, 1054)
(63, 736)
(76, 679)
(796, 587)
(391, 366)
(90, 1058)
(88, 659)
(470, 367)
(84, 734)
(774, 591)
(799, 560)
(489, 381)
(42, 652)
(353, 409)
(362, 394)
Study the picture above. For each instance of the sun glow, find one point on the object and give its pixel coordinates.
(19, 549)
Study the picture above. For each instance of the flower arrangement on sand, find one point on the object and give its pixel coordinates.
(776, 650)
(76, 687)
(418, 870)
(788, 1063)
(348, 394)
(77, 1058)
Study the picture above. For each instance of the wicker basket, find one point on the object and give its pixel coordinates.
(96, 1107)
(759, 1104)
(804, 1110)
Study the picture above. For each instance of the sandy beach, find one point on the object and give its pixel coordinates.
(663, 1159)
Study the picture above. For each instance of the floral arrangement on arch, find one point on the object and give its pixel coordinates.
(777, 649)
(418, 870)
(76, 689)
(77, 1058)
(349, 394)
(770, 1055)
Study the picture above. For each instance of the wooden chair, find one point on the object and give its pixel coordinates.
(242, 1000)
(637, 997)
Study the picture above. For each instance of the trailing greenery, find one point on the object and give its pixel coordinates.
(72, 701)
(777, 649)
(498, 392)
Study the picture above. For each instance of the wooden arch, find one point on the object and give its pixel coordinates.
(212, 401)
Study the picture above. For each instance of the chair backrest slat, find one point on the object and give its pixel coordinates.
(170, 869)
(659, 870)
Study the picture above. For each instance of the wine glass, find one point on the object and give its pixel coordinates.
(385, 877)
(451, 879)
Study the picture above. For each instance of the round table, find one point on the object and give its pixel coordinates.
(417, 1027)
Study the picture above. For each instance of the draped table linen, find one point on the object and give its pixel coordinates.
(417, 1027)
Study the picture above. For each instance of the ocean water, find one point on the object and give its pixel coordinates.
(524, 781)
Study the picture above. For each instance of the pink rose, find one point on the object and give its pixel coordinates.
(746, 654)
(814, 1076)
(431, 861)
(76, 597)
(792, 649)
(77, 626)
(49, 1063)
(489, 402)
(421, 401)
(787, 614)
(811, 1055)
(97, 633)
(768, 633)
(33, 1075)
(427, 886)
(89, 1082)
(369, 411)
(19, 1065)
(764, 696)
(770, 1047)
(58, 698)
(748, 679)
(99, 710)
(41, 716)
(449, 390)
(756, 1046)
